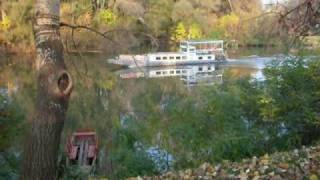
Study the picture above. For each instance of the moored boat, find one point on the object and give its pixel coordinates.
(191, 52)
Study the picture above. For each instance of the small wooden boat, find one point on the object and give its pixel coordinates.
(82, 149)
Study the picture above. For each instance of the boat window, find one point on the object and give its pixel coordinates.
(158, 58)
(158, 73)
(171, 72)
(209, 68)
(200, 57)
(184, 71)
(209, 57)
(184, 49)
(200, 68)
(178, 57)
(165, 58)
(178, 71)
(184, 57)
(171, 57)
(164, 72)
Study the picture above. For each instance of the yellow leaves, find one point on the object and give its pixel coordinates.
(107, 83)
(228, 24)
(66, 9)
(107, 17)
(85, 19)
(195, 32)
(265, 159)
(268, 108)
(313, 177)
(180, 32)
(5, 23)
(265, 100)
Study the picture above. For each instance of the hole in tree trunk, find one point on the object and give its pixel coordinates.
(63, 82)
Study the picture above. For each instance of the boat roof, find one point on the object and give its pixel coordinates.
(202, 41)
(165, 53)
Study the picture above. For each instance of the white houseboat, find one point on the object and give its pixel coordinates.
(191, 52)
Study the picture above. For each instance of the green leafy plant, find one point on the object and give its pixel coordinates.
(5, 23)
(107, 17)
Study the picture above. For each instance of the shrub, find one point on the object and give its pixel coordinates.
(5, 23)
(107, 17)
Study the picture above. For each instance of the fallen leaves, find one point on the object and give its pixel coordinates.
(298, 164)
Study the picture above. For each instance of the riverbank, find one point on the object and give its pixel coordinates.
(16, 49)
(231, 52)
(297, 164)
(23, 49)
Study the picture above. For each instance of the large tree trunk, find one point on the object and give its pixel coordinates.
(54, 86)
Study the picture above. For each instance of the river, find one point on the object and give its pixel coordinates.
(102, 88)
(106, 96)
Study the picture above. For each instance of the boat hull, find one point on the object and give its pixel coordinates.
(145, 61)
(179, 63)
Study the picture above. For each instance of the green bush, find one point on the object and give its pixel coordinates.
(11, 126)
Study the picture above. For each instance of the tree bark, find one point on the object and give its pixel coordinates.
(54, 86)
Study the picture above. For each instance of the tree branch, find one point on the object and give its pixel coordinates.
(62, 24)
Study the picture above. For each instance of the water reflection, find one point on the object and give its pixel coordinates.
(190, 75)
(250, 61)
(204, 74)
(100, 100)
(251, 65)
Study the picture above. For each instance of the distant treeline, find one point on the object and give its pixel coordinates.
(139, 25)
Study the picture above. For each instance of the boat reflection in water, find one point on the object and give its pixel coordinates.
(204, 74)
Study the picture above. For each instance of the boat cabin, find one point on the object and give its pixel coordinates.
(191, 52)
(202, 46)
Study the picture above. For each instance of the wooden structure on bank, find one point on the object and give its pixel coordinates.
(82, 149)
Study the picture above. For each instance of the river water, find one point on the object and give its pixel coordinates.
(103, 90)
(105, 95)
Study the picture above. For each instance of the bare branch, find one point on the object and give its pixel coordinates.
(62, 24)
(154, 41)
